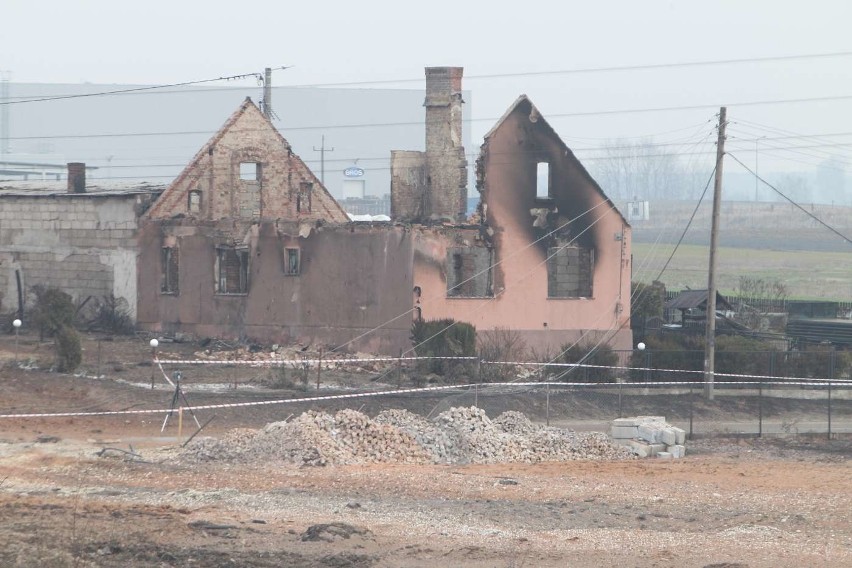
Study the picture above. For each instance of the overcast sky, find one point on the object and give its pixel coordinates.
(159, 42)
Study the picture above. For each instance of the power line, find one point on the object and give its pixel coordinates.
(259, 76)
(546, 73)
(550, 116)
(688, 224)
(802, 209)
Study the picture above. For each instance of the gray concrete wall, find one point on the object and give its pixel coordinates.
(84, 244)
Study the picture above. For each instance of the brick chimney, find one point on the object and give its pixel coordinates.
(76, 177)
(446, 163)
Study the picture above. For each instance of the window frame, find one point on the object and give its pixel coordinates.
(288, 267)
(221, 282)
(245, 172)
(169, 256)
(190, 195)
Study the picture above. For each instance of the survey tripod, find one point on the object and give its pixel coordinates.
(177, 397)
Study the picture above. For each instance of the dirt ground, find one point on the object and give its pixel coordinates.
(65, 500)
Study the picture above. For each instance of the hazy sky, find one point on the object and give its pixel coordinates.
(158, 42)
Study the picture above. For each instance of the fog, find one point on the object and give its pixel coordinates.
(598, 71)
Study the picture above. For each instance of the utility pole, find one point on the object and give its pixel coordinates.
(710, 340)
(322, 150)
(267, 92)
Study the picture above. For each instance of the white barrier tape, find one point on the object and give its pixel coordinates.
(165, 376)
(99, 413)
(608, 386)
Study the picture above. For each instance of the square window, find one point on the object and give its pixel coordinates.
(469, 272)
(250, 171)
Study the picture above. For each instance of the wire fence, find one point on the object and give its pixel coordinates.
(579, 396)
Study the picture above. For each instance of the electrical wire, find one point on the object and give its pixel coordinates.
(475, 77)
(802, 209)
(256, 75)
(550, 117)
(688, 223)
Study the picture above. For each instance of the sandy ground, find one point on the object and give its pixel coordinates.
(64, 501)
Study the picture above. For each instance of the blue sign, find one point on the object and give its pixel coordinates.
(353, 172)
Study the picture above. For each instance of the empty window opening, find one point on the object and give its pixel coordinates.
(542, 180)
(469, 273)
(170, 270)
(569, 272)
(194, 201)
(232, 270)
(250, 171)
(293, 261)
(303, 198)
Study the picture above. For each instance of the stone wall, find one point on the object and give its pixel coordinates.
(247, 170)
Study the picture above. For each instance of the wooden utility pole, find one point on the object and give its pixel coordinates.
(710, 340)
(322, 150)
(267, 93)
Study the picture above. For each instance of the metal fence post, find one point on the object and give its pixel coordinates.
(829, 409)
(760, 407)
(831, 369)
(547, 405)
(620, 387)
(691, 397)
(319, 368)
(647, 365)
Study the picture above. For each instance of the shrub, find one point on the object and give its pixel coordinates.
(501, 344)
(685, 352)
(587, 354)
(69, 354)
(742, 356)
(814, 361)
(53, 309)
(647, 302)
(113, 314)
(444, 338)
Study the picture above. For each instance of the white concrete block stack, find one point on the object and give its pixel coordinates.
(649, 436)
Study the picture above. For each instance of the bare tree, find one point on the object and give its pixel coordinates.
(641, 169)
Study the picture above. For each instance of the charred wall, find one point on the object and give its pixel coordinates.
(350, 279)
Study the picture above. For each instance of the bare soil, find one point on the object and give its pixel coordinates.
(65, 501)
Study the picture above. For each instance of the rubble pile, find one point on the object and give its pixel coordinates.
(649, 436)
(457, 436)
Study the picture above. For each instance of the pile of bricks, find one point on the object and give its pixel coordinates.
(649, 436)
(456, 436)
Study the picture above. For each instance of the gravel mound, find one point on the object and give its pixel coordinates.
(457, 436)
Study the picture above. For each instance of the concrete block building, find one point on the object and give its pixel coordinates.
(76, 236)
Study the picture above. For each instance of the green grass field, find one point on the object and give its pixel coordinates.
(808, 275)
